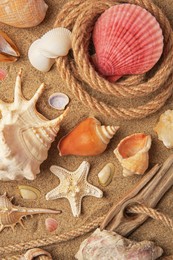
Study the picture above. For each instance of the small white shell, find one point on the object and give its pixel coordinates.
(58, 100)
(56, 42)
(51, 224)
(37, 60)
(106, 174)
(29, 192)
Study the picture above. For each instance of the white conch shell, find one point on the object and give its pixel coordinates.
(108, 245)
(164, 128)
(25, 136)
(22, 13)
(10, 214)
(56, 42)
(132, 153)
(37, 60)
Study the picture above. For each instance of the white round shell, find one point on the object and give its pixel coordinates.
(58, 100)
(56, 42)
(39, 61)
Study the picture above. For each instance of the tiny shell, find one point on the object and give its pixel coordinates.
(51, 224)
(58, 100)
(37, 60)
(3, 74)
(164, 128)
(56, 42)
(106, 174)
(29, 192)
(8, 50)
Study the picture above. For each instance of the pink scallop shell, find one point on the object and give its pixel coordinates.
(51, 224)
(127, 40)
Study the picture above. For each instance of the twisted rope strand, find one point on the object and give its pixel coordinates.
(136, 209)
(80, 19)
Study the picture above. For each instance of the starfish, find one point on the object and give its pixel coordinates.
(73, 186)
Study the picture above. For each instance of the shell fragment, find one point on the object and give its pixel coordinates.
(106, 174)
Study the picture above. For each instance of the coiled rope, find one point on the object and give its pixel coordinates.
(136, 209)
(80, 16)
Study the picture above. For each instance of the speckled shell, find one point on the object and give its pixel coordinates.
(127, 40)
(56, 42)
(25, 136)
(22, 13)
(108, 245)
(132, 153)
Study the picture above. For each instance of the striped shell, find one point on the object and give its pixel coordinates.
(22, 13)
(127, 40)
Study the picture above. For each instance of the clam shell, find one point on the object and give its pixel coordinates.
(56, 42)
(132, 153)
(127, 40)
(37, 60)
(22, 13)
(106, 174)
(29, 192)
(51, 224)
(164, 128)
(58, 100)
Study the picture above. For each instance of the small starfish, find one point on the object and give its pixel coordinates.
(73, 186)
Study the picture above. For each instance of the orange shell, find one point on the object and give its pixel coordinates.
(86, 139)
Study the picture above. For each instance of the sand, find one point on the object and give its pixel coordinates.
(46, 181)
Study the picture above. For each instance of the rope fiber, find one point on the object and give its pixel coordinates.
(79, 16)
(136, 209)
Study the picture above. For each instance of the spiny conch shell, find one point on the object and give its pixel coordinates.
(55, 43)
(108, 245)
(23, 151)
(37, 60)
(51, 224)
(127, 40)
(29, 192)
(89, 137)
(106, 174)
(3, 74)
(58, 100)
(132, 153)
(8, 50)
(35, 252)
(22, 13)
(10, 214)
(164, 128)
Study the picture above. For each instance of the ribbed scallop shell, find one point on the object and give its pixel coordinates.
(56, 42)
(22, 13)
(127, 40)
(132, 153)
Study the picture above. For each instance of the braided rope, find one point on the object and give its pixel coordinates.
(139, 209)
(80, 16)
